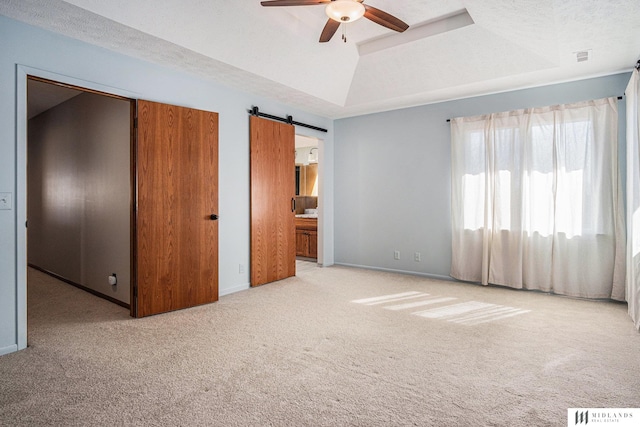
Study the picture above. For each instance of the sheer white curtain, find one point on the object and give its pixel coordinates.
(633, 198)
(536, 200)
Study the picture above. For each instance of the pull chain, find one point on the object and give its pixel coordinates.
(344, 32)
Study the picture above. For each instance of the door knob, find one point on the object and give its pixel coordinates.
(213, 217)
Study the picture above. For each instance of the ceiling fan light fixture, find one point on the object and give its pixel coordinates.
(345, 10)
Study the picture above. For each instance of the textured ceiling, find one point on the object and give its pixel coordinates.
(274, 52)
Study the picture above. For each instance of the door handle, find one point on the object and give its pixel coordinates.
(293, 204)
(213, 217)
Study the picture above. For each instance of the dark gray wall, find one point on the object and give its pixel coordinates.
(393, 175)
(79, 192)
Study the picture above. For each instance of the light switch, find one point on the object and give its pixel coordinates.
(5, 201)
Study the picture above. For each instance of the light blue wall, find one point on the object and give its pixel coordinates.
(393, 178)
(23, 47)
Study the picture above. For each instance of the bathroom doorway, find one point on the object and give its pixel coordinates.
(307, 170)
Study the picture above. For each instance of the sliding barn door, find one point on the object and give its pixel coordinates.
(273, 234)
(176, 243)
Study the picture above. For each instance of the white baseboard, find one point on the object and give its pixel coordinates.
(391, 270)
(233, 290)
(7, 350)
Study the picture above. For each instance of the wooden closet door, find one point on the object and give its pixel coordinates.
(176, 245)
(273, 232)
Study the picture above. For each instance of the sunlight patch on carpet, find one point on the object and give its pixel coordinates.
(387, 298)
(463, 313)
(419, 303)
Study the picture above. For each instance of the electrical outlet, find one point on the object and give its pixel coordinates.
(5, 201)
(416, 257)
(240, 268)
(396, 254)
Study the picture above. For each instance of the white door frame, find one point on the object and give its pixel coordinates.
(22, 72)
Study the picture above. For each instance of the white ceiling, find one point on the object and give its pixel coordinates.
(275, 52)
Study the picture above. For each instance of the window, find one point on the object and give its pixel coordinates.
(533, 188)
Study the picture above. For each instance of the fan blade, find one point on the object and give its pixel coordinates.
(329, 30)
(293, 2)
(384, 19)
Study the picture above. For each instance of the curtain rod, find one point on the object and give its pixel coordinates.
(255, 111)
(619, 98)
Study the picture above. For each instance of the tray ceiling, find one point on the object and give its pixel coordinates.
(274, 52)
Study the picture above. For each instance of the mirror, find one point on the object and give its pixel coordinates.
(307, 171)
(307, 180)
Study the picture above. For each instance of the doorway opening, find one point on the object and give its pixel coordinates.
(97, 218)
(307, 173)
(79, 187)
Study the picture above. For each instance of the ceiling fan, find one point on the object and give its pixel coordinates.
(343, 11)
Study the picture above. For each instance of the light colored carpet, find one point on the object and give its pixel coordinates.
(333, 346)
